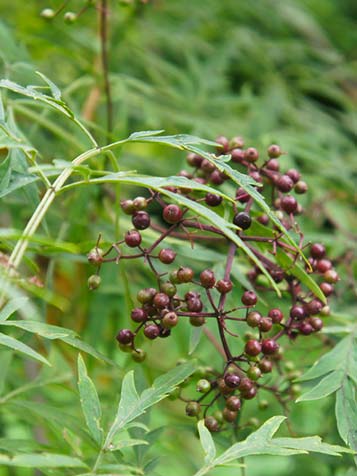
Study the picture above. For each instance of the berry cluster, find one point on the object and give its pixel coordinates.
(180, 293)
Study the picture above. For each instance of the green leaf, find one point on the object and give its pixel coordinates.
(55, 91)
(126, 444)
(132, 405)
(207, 442)
(89, 402)
(12, 306)
(23, 348)
(262, 442)
(43, 460)
(195, 337)
(346, 413)
(292, 268)
(5, 173)
(325, 387)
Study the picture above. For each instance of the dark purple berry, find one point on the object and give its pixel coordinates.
(194, 160)
(232, 380)
(172, 214)
(213, 200)
(141, 220)
(306, 328)
(265, 366)
(139, 315)
(194, 305)
(211, 424)
(297, 312)
(294, 175)
(313, 307)
(125, 336)
(243, 220)
(216, 177)
(242, 196)
(132, 238)
(245, 384)
(249, 394)
(152, 331)
(265, 324)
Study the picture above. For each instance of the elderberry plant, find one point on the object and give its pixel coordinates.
(180, 293)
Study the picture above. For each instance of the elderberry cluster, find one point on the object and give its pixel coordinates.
(181, 293)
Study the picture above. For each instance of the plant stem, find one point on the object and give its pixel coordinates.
(103, 28)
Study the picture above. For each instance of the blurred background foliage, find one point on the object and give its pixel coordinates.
(272, 71)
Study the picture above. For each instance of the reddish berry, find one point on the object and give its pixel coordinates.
(276, 315)
(184, 275)
(313, 307)
(263, 219)
(229, 415)
(245, 384)
(251, 154)
(169, 320)
(224, 286)
(306, 328)
(125, 336)
(253, 347)
(161, 300)
(317, 251)
(207, 166)
(237, 155)
(249, 298)
(132, 238)
(323, 265)
(233, 403)
(211, 424)
(194, 160)
(297, 312)
(265, 366)
(95, 256)
(151, 331)
(294, 175)
(249, 394)
(207, 278)
(316, 323)
(232, 380)
(284, 183)
(326, 288)
(242, 196)
(269, 346)
(139, 315)
(265, 324)
(141, 220)
(194, 305)
(172, 214)
(289, 204)
(223, 142)
(331, 276)
(167, 256)
(273, 165)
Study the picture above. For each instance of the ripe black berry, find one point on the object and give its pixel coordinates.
(132, 238)
(207, 278)
(172, 214)
(249, 298)
(125, 336)
(243, 220)
(213, 200)
(141, 220)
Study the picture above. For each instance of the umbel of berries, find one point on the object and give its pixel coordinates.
(213, 258)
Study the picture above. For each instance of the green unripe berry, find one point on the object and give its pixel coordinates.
(174, 395)
(70, 17)
(254, 373)
(263, 404)
(193, 409)
(48, 13)
(138, 355)
(94, 281)
(203, 386)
